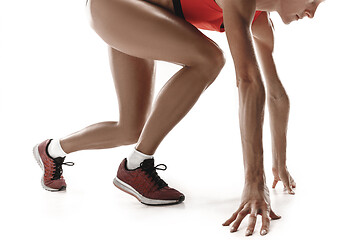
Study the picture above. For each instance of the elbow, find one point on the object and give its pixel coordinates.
(277, 96)
(252, 87)
(276, 92)
(248, 77)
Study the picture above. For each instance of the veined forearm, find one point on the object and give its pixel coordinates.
(279, 108)
(251, 117)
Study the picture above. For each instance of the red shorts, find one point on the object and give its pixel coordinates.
(203, 14)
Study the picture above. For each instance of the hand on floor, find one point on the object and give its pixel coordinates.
(282, 174)
(255, 200)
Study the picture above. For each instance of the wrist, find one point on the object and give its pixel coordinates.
(279, 159)
(254, 169)
(255, 176)
(279, 164)
(254, 185)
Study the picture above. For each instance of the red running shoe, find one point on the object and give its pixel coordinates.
(145, 184)
(52, 179)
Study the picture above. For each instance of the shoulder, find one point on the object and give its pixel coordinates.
(221, 3)
(241, 9)
(263, 29)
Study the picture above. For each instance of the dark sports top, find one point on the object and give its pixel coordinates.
(203, 14)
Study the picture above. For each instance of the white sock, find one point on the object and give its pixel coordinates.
(135, 158)
(55, 150)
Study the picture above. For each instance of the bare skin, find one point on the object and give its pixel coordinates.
(258, 202)
(277, 99)
(139, 32)
(152, 33)
(237, 16)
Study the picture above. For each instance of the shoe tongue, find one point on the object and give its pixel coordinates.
(148, 162)
(59, 160)
(148, 166)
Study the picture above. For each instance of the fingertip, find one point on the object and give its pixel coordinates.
(227, 222)
(289, 189)
(273, 216)
(276, 217)
(248, 233)
(263, 232)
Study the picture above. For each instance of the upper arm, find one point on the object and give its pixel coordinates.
(262, 30)
(239, 9)
(237, 16)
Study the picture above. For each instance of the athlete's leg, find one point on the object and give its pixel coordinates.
(133, 79)
(144, 30)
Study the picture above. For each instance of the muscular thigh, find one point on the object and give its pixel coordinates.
(145, 30)
(166, 4)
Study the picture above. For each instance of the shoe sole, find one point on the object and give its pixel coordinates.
(147, 201)
(41, 164)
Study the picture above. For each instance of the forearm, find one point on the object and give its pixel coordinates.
(279, 107)
(251, 117)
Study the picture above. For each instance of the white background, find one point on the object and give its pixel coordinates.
(55, 80)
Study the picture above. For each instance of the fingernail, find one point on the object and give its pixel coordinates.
(247, 233)
(263, 232)
(232, 229)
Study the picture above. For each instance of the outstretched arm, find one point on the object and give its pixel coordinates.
(277, 99)
(238, 15)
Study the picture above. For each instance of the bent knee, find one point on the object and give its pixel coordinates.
(209, 61)
(213, 58)
(127, 135)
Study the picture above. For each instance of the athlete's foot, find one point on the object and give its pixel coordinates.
(144, 184)
(52, 179)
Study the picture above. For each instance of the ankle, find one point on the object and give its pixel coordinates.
(136, 158)
(55, 150)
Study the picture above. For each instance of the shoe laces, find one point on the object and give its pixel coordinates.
(148, 167)
(59, 161)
